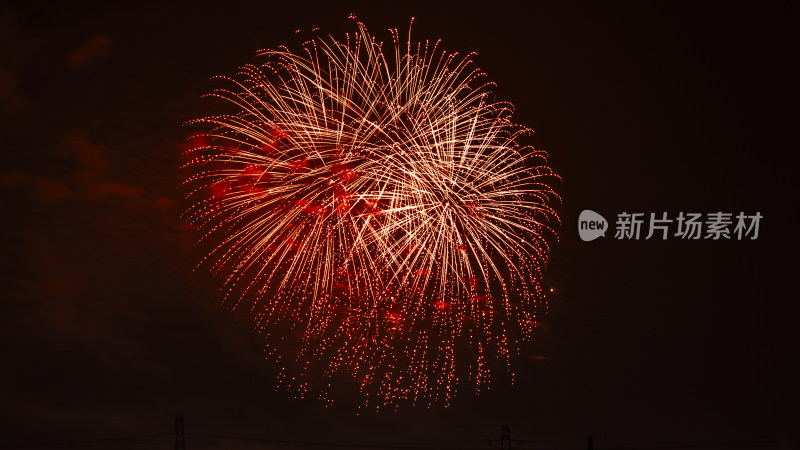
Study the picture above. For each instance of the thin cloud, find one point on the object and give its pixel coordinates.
(13, 52)
(94, 49)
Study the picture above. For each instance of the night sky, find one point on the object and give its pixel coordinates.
(106, 331)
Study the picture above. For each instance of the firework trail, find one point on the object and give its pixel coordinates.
(377, 212)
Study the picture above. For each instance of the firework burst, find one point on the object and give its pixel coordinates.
(379, 208)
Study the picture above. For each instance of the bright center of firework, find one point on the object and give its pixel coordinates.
(379, 203)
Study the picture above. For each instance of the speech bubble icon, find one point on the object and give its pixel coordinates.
(591, 225)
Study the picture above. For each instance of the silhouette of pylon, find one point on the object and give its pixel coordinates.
(505, 438)
(180, 443)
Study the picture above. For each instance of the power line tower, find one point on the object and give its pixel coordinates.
(505, 438)
(180, 442)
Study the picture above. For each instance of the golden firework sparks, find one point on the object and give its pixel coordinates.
(381, 205)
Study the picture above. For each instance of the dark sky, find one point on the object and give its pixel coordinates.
(106, 331)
